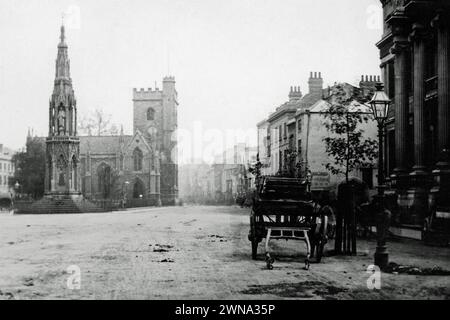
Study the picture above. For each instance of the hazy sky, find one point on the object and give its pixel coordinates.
(234, 60)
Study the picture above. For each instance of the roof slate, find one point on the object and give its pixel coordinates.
(102, 144)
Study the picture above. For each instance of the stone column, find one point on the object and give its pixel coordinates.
(419, 187)
(439, 193)
(418, 39)
(400, 49)
(443, 35)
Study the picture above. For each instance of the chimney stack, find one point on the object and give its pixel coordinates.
(295, 94)
(315, 84)
(367, 84)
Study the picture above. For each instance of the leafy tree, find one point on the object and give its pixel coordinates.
(346, 144)
(30, 169)
(350, 150)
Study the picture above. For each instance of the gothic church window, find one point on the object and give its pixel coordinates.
(138, 158)
(150, 114)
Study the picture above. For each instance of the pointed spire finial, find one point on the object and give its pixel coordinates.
(63, 33)
(63, 29)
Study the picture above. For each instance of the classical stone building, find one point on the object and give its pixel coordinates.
(414, 52)
(7, 169)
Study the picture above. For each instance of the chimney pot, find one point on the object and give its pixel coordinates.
(320, 75)
(311, 75)
(315, 75)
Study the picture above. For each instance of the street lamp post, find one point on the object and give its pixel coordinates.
(380, 104)
(16, 187)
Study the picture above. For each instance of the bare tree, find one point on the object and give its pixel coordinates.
(97, 123)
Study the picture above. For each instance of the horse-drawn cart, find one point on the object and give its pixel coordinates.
(283, 209)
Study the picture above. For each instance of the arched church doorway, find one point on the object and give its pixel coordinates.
(104, 180)
(138, 189)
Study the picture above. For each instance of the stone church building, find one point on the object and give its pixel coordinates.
(140, 168)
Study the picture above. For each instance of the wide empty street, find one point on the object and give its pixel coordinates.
(189, 253)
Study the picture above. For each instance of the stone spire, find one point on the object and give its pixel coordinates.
(62, 112)
(62, 60)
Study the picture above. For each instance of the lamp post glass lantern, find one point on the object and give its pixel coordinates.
(16, 187)
(380, 104)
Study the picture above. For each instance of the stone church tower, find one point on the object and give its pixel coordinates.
(62, 178)
(155, 116)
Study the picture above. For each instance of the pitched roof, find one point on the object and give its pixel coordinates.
(354, 106)
(308, 100)
(288, 107)
(102, 144)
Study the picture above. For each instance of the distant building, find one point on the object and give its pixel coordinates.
(195, 184)
(7, 170)
(222, 181)
(231, 176)
(263, 136)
